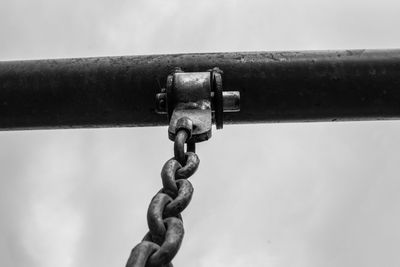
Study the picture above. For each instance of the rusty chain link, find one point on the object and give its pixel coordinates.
(160, 245)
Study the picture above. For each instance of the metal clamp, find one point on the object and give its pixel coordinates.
(198, 96)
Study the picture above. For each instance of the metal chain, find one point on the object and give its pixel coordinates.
(160, 245)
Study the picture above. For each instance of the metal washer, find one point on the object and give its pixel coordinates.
(218, 99)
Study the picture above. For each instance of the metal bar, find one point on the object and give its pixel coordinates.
(274, 87)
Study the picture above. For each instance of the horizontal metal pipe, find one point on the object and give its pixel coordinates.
(274, 87)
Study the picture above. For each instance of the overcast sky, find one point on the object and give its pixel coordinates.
(304, 195)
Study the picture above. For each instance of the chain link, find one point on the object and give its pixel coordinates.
(160, 245)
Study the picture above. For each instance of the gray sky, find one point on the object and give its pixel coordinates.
(314, 194)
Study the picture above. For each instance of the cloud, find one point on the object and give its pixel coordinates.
(278, 194)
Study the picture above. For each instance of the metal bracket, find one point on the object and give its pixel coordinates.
(197, 96)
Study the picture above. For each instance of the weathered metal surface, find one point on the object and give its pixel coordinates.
(189, 96)
(231, 101)
(218, 101)
(274, 87)
(179, 145)
(198, 98)
(162, 242)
